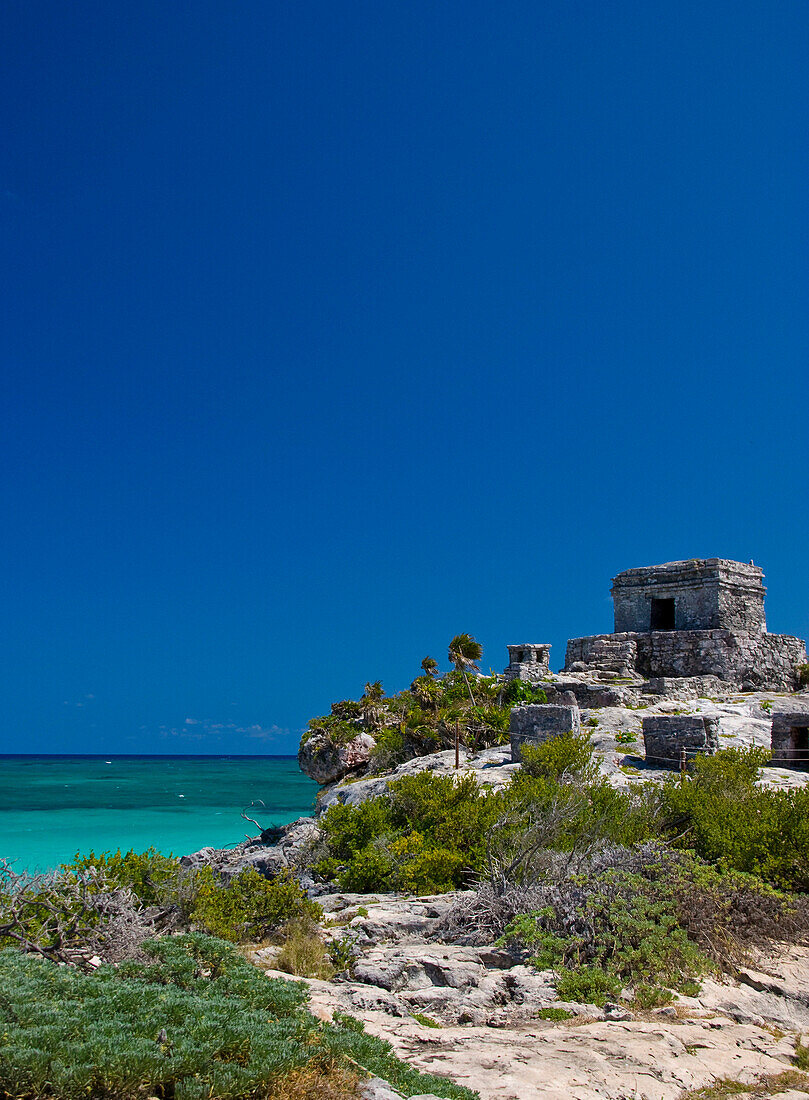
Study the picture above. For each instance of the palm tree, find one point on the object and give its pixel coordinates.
(430, 667)
(464, 652)
(371, 704)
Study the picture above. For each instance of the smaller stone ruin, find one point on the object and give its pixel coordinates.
(528, 661)
(674, 739)
(536, 723)
(790, 739)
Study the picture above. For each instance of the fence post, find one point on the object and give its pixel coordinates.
(457, 743)
(682, 762)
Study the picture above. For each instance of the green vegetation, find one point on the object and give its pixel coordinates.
(303, 952)
(248, 907)
(769, 1085)
(147, 874)
(648, 888)
(195, 1021)
(803, 675)
(427, 835)
(720, 813)
(425, 1021)
(424, 717)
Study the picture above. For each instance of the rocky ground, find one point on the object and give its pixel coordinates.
(476, 1015)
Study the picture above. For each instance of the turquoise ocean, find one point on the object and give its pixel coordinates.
(53, 806)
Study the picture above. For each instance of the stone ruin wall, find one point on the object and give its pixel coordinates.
(749, 661)
(536, 723)
(713, 594)
(672, 739)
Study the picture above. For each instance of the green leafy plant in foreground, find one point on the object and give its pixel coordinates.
(197, 1021)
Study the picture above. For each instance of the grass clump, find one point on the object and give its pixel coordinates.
(556, 1014)
(425, 1021)
(303, 952)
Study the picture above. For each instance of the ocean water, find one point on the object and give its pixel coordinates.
(53, 806)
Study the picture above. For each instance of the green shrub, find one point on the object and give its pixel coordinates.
(565, 756)
(248, 907)
(720, 813)
(426, 835)
(648, 995)
(518, 692)
(587, 985)
(803, 675)
(368, 870)
(146, 874)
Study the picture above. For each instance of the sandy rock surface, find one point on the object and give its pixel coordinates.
(490, 1036)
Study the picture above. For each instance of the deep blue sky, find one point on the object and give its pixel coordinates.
(331, 330)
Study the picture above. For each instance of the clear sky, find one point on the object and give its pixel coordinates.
(330, 330)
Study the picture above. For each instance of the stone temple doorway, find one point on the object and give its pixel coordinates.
(662, 615)
(799, 746)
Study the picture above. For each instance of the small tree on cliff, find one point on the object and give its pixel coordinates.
(371, 705)
(464, 653)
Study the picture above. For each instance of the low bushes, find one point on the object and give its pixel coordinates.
(109, 904)
(727, 819)
(654, 919)
(248, 906)
(427, 835)
(193, 1022)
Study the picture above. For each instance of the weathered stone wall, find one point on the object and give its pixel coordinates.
(710, 594)
(747, 661)
(667, 736)
(789, 740)
(609, 652)
(535, 723)
(528, 661)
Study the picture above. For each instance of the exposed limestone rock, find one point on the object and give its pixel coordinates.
(535, 723)
(279, 850)
(325, 762)
(491, 767)
(490, 1035)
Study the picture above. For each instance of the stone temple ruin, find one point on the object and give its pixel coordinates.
(691, 619)
(683, 629)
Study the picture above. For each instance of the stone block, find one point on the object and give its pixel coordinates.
(666, 736)
(789, 739)
(536, 723)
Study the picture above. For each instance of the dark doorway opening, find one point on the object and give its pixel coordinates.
(662, 614)
(799, 746)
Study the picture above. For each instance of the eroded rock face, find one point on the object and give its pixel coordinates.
(279, 852)
(326, 763)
